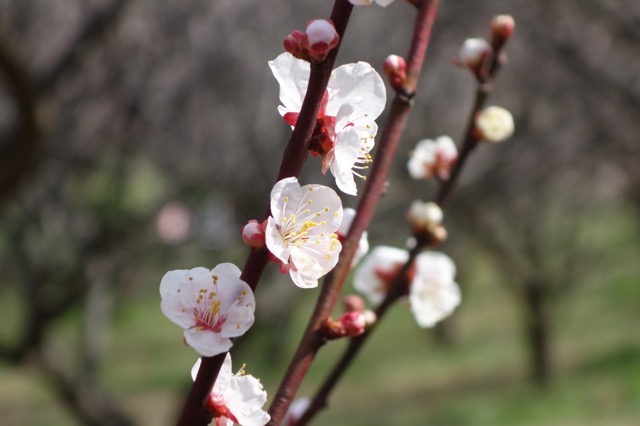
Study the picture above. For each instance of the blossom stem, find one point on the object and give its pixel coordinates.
(470, 139)
(396, 290)
(194, 412)
(312, 340)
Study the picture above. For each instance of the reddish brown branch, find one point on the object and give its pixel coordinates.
(400, 108)
(398, 286)
(294, 157)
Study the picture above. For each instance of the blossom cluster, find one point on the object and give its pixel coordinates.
(433, 293)
(306, 225)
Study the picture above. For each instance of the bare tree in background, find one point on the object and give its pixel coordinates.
(110, 109)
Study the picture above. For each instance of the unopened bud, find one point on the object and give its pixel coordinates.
(353, 323)
(423, 215)
(437, 236)
(426, 221)
(502, 27)
(473, 54)
(295, 44)
(353, 303)
(253, 234)
(395, 68)
(370, 317)
(321, 38)
(494, 124)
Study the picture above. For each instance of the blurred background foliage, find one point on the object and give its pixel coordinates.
(137, 136)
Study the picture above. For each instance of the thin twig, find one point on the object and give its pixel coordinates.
(399, 284)
(400, 108)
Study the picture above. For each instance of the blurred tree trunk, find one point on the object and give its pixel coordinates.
(537, 331)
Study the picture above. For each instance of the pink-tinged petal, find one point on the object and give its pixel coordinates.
(207, 342)
(358, 85)
(293, 76)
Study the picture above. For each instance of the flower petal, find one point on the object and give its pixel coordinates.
(179, 291)
(367, 279)
(207, 342)
(433, 293)
(358, 85)
(293, 76)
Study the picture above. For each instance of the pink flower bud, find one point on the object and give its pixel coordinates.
(321, 38)
(353, 303)
(253, 234)
(395, 68)
(294, 44)
(502, 27)
(353, 323)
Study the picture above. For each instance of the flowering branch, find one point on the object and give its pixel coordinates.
(400, 108)
(194, 411)
(399, 283)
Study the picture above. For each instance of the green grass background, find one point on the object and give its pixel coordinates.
(403, 377)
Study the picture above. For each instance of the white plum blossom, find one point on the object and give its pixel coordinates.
(345, 127)
(235, 398)
(212, 306)
(301, 230)
(363, 243)
(376, 272)
(494, 124)
(383, 3)
(432, 158)
(433, 293)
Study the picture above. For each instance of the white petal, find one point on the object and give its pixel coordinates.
(245, 398)
(433, 293)
(225, 278)
(366, 279)
(384, 3)
(358, 85)
(179, 291)
(275, 242)
(288, 187)
(348, 214)
(207, 342)
(225, 375)
(307, 269)
(293, 76)
(240, 316)
(346, 152)
(195, 369)
(324, 206)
